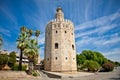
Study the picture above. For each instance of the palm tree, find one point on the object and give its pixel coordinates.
(37, 33)
(28, 46)
(0, 41)
(21, 41)
(31, 52)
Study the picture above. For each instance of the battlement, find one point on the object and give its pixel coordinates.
(67, 21)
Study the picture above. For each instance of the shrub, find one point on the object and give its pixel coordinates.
(3, 60)
(90, 65)
(12, 59)
(117, 64)
(34, 73)
(16, 67)
(24, 67)
(108, 66)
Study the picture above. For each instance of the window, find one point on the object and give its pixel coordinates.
(56, 31)
(72, 33)
(65, 31)
(48, 59)
(66, 58)
(55, 58)
(73, 58)
(73, 47)
(56, 45)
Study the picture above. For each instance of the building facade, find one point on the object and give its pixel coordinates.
(60, 50)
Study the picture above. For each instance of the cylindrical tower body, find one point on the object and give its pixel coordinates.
(60, 50)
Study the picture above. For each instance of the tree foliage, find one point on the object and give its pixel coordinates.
(21, 43)
(80, 59)
(91, 55)
(3, 60)
(32, 50)
(91, 65)
(117, 63)
(108, 66)
(12, 59)
(27, 45)
(91, 60)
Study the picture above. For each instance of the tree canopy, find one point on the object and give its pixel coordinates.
(12, 59)
(90, 55)
(27, 44)
(90, 60)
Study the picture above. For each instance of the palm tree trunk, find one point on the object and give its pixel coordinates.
(31, 67)
(20, 61)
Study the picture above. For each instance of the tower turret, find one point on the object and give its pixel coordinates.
(59, 14)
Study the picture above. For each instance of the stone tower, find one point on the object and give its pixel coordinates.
(60, 50)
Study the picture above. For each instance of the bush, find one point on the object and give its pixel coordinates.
(117, 64)
(12, 59)
(108, 66)
(24, 67)
(34, 73)
(3, 60)
(16, 67)
(90, 65)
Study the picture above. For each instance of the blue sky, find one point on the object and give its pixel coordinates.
(96, 22)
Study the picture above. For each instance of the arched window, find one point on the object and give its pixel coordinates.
(66, 58)
(56, 31)
(55, 58)
(65, 31)
(72, 46)
(56, 45)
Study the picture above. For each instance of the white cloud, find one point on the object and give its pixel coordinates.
(5, 32)
(41, 39)
(8, 14)
(105, 20)
(84, 40)
(108, 41)
(113, 54)
(112, 51)
(87, 9)
(98, 30)
(99, 41)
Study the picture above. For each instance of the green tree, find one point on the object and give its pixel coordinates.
(12, 59)
(90, 56)
(91, 65)
(21, 43)
(95, 56)
(32, 53)
(117, 63)
(1, 40)
(37, 33)
(80, 59)
(3, 60)
(100, 58)
(28, 45)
